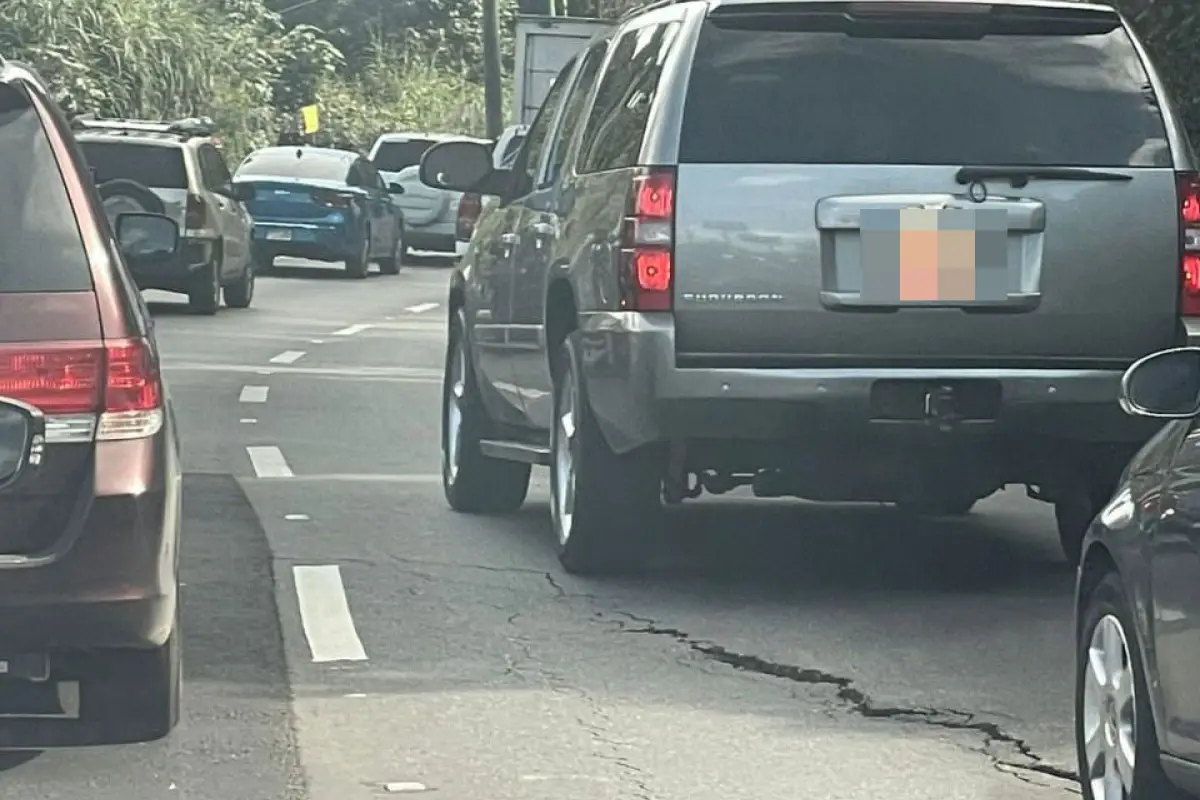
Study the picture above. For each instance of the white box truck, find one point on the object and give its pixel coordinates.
(544, 45)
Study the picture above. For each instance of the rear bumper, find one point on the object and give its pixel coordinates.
(640, 396)
(177, 274)
(318, 241)
(110, 581)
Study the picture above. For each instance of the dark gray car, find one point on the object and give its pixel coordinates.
(862, 251)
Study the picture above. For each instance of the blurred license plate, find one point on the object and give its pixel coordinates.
(279, 236)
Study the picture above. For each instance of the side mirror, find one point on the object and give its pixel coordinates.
(461, 167)
(22, 440)
(242, 192)
(395, 188)
(1163, 385)
(147, 237)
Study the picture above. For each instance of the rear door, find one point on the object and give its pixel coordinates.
(50, 337)
(824, 216)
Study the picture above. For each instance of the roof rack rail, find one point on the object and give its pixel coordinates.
(644, 7)
(189, 127)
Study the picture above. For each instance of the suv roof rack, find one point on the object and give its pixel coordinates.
(188, 128)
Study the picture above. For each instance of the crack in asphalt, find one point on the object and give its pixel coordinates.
(859, 702)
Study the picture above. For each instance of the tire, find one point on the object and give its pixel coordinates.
(605, 508)
(356, 266)
(240, 293)
(1104, 605)
(392, 265)
(473, 483)
(204, 297)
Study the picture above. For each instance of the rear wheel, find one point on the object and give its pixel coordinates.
(356, 265)
(392, 264)
(606, 508)
(240, 293)
(1115, 739)
(473, 483)
(204, 297)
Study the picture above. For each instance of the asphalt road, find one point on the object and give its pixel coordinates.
(348, 637)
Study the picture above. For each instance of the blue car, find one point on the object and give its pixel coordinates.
(323, 204)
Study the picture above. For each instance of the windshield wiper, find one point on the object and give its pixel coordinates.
(1020, 176)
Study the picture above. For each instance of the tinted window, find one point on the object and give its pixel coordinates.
(313, 165)
(573, 110)
(1050, 89)
(40, 246)
(395, 156)
(617, 124)
(535, 139)
(153, 165)
(216, 174)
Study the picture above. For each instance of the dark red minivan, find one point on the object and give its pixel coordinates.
(90, 476)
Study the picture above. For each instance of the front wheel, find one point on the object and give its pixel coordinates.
(1115, 739)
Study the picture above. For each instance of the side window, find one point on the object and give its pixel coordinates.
(617, 124)
(209, 173)
(355, 176)
(573, 110)
(539, 131)
(220, 168)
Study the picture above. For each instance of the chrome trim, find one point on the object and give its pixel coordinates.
(1137, 411)
(70, 428)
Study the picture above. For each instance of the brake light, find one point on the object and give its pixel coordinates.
(648, 243)
(118, 380)
(1189, 227)
(470, 206)
(196, 214)
(331, 199)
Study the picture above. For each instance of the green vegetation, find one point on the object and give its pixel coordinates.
(371, 65)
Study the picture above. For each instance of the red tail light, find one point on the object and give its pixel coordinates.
(331, 199)
(1189, 226)
(648, 243)
(118, 380)
(196, 216)
(470, 206)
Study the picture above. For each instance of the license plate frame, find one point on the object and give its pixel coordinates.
(279, 236)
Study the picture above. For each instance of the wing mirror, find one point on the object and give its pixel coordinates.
(147, 237)
(463, 167)
(1163, 385)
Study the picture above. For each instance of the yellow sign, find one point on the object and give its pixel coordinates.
(311, 119)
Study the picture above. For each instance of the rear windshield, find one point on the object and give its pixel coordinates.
(40, 246)
(395, 156)
(284, 164)
(154, 166)
(806, 89)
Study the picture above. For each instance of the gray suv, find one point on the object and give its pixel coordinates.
(845, 251)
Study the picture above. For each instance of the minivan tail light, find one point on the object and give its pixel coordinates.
(470, 206)
(1189, 228)
(648, 243)
(119, 381)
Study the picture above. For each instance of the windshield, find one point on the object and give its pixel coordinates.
(394, 156)
(154, 166)
(284, 163)
(1063, 97)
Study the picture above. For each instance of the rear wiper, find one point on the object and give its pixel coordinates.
(1020, 176)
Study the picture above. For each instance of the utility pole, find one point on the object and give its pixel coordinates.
(493, 96)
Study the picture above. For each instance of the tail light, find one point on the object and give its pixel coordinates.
(470, 206)
(648, 243)
(118, 380)
(331, 199)
(1189, 225)
(195, 218)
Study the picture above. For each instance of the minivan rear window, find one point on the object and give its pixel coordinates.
(394, 156)
(41, 249)
(154, 166)
(1038, 93)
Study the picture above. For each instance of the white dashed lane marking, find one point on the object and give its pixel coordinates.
(351, 330)
(253, 394)
(288, 357)
(268, 462)
(421, 308)
(325, 614)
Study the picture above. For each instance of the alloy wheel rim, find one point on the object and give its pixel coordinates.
(564, 463)
(1109, 716)
(452, 421)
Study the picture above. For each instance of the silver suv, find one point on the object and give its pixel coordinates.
(176, 169)
(870, 251)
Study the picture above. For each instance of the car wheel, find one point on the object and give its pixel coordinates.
(240, 293)
(605, 508)
(1114, 727)
(205, 295)
(356, 266)
(473, 483)
(392, 264)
